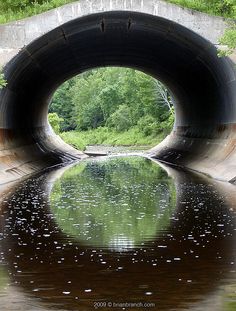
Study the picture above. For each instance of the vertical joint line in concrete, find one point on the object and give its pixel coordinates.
(129, 23)
(102, 25)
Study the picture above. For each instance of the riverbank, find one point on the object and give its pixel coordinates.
(115, 150)
(104, 136)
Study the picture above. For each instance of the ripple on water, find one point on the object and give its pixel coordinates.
(118, 230)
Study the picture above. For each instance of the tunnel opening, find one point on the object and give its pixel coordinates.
(110, 110)
(203, 85)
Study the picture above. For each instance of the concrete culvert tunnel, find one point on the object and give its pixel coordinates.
(203, 85)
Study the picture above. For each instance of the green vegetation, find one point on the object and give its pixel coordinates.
(112, 106)
(3, 81)
(4, 277)
(55, 121)
(11, 10)
(17, 9)
(62, 105)
(115, 97)
(225, 8)
(105, 136)
(119, 208)
(229, 297)
(229, 40)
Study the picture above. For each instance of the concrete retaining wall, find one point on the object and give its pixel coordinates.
(15, 35)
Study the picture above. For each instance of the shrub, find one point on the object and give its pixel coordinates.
(55, 121)
(148, 125)
(18, 4)
(228, 40)
(121, 119)
(3, 81)
(225, 7)
(11, 10)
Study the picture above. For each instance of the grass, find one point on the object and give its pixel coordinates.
(105, 136)
(9, 15)
(207, 7)
(12, 14)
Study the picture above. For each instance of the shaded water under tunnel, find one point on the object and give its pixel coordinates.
(118, 230)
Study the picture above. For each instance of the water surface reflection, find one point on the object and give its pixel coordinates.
(118, 203)
(118, 230)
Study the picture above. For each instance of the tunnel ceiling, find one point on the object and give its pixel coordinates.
(183, 60)
(203, 84)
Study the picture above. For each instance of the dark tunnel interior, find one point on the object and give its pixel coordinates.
(202, 83)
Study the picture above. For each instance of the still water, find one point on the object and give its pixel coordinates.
(118, 233)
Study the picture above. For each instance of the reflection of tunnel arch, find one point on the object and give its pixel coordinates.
(188, 64)
(33, 252)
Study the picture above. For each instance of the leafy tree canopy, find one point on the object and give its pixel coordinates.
(113, 97)
(117, 97)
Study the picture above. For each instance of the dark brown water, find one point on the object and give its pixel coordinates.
(118, 233)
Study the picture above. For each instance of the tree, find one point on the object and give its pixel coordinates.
(148, 125)
(55, 121)
(115, 97)
(87, 111)
(97, 95)
(120, 120)
(62, 105)
(163, 92)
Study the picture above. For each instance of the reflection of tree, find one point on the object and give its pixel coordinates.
(44, 262)
(4, 279)
(121, 199)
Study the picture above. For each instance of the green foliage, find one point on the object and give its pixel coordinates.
(168, 124)
(3, 81)
(62, 105)
(87, 112)
(148, 125)
(113, 106)
(225, 8)
(229, 298)
(120, 120)
(229, 40)
(17, 9)
(116, 97)
(55, 121)
(107, 136)
(74, 139)
(11, 10)
(4, 278)
(127, 188)
(18, 4)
